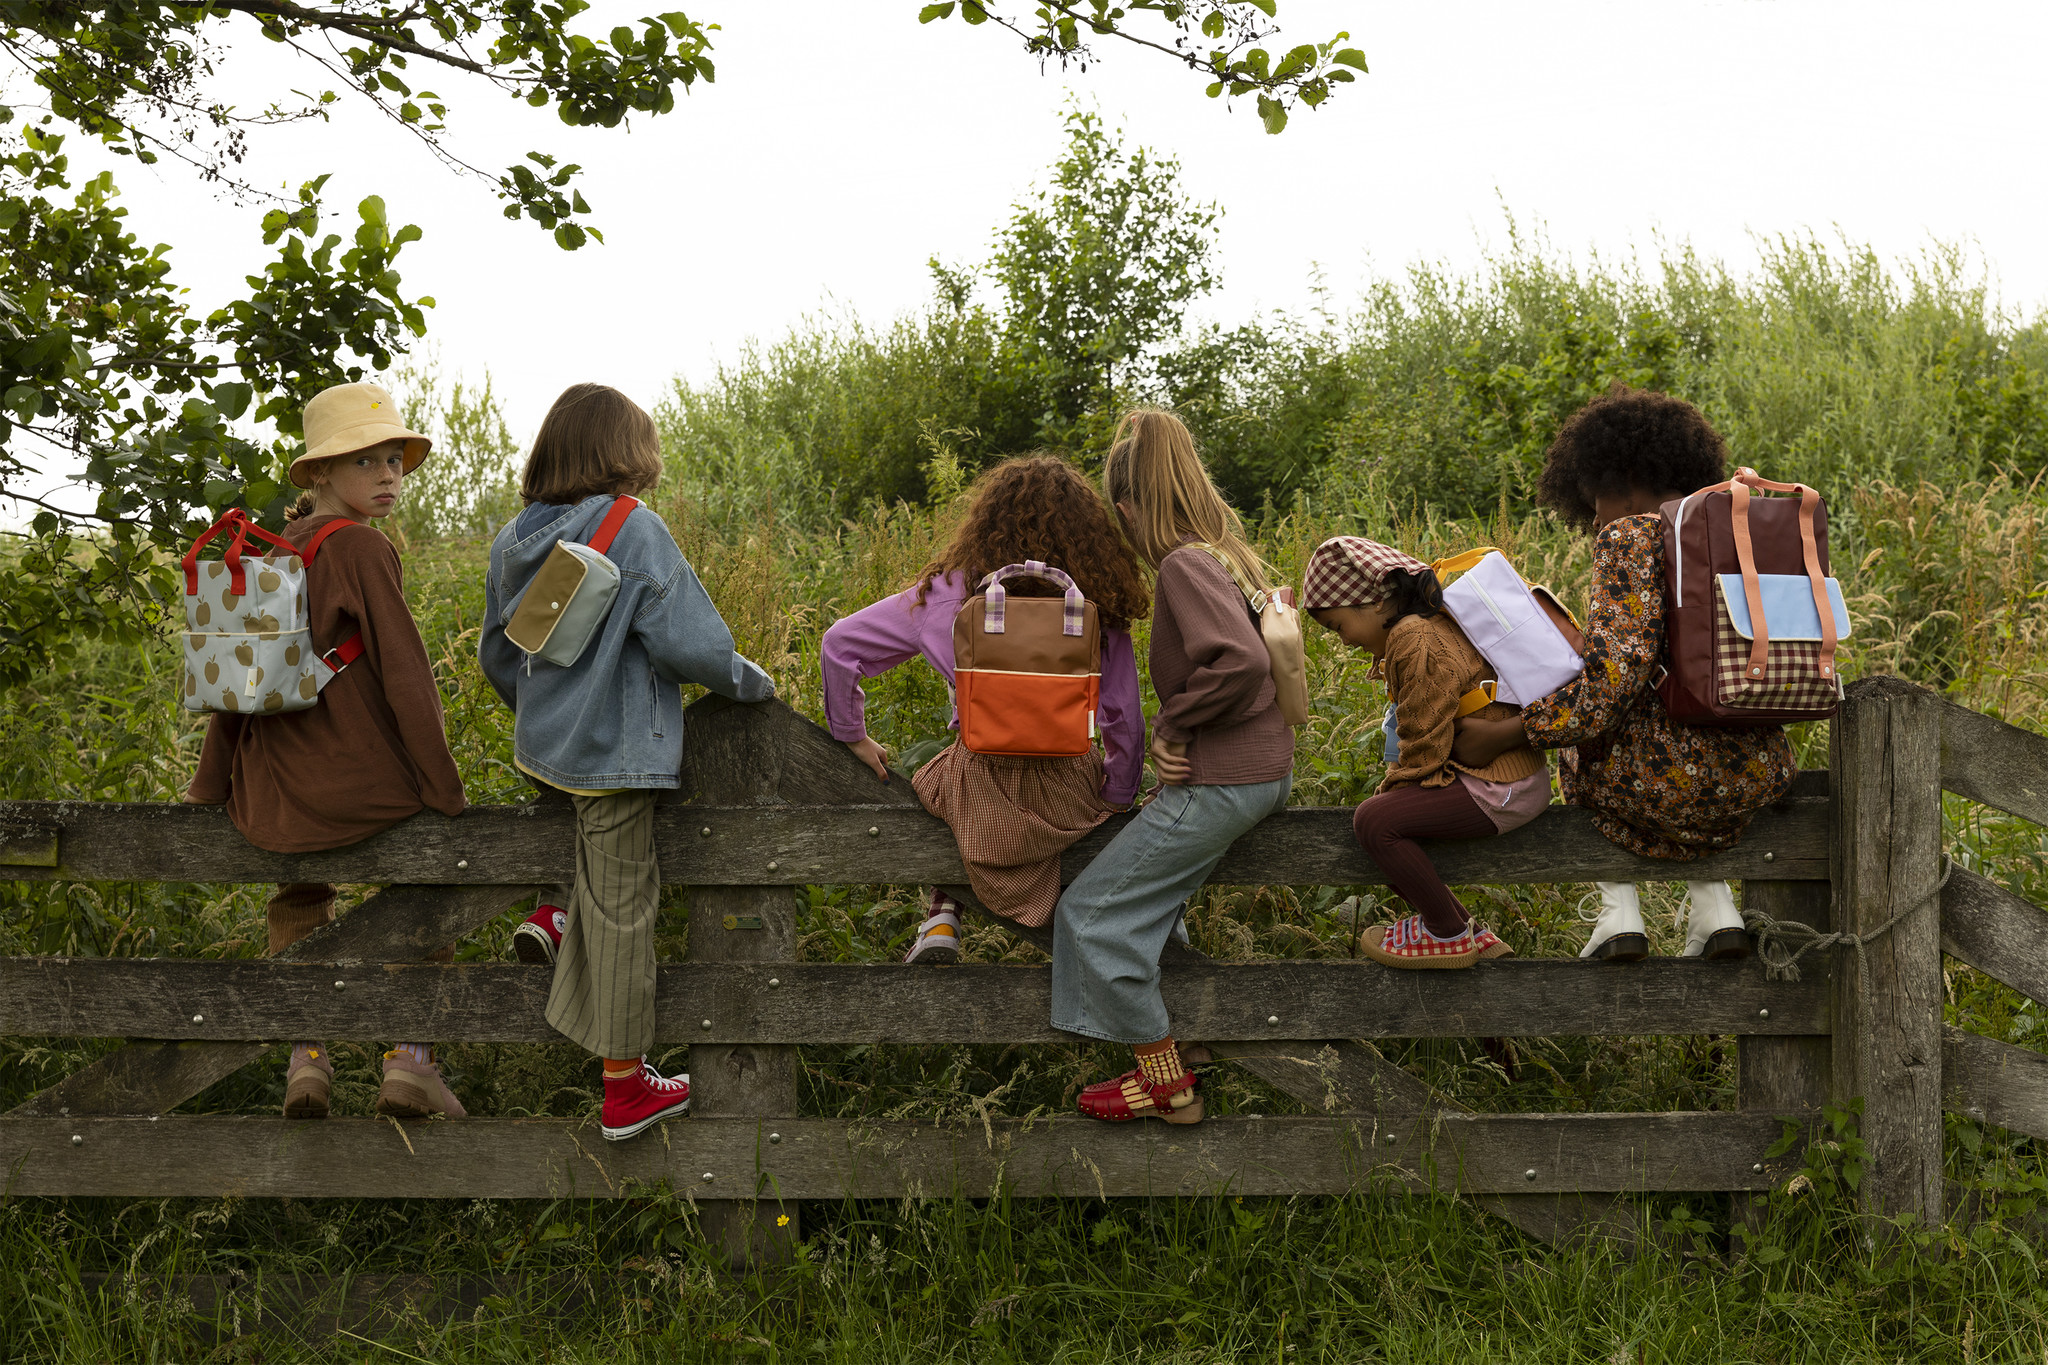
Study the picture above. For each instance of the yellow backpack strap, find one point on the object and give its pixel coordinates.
(1478, 698)
(1254, 597)
(1460, 563)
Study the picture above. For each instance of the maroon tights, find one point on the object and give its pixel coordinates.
(1388, 825)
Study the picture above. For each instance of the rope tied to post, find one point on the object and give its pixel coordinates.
(1775, 937)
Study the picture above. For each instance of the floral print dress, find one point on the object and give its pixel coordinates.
(1654, 785)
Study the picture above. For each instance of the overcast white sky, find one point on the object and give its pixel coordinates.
(843, 144)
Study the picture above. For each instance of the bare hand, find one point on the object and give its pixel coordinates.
(872, 754)
(1479, 742)
(1170, 761)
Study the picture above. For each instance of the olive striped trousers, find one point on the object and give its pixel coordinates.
(603, 994)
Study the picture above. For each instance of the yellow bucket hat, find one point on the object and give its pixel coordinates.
(352, 417)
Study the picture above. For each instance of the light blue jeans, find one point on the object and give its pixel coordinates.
(1114, 921)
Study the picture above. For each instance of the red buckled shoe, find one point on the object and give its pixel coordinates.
(1131, 1096)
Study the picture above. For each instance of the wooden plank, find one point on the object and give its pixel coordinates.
(23, 844)
(741, 754)
(1994, 1082)
(1526, 1154)
(404, 923)
(791, 845)
(1783, 1072)
(1885, 762)
(769, 1003)
(1996, 932)
(1783, 1075)
(1989, 761)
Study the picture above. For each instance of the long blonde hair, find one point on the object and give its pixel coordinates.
(1154, 470)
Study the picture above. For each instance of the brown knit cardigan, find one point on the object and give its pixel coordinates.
(1429, 665)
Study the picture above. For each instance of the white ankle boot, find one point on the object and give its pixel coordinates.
(1713, 926)
(1618, 931)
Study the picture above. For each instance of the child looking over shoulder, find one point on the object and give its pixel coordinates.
(1012, 815)
(1389, 604)
(1221, 748)
(372, 752)
(1654, 785)
(608, 728)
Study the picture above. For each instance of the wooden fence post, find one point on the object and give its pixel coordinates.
(1788, 1076)
(1885, 859)
(734, 758)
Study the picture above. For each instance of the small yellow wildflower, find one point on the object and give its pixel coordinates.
(782, 1220)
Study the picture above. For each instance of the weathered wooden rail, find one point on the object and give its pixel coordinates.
(778, 804)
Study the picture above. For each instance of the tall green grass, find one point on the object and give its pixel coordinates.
(1830, 363)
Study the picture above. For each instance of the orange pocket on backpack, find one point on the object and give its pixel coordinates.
(1031, 715)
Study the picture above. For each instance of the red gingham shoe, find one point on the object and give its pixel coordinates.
(1489, 943)
(1131, 1096)
(1405, 943)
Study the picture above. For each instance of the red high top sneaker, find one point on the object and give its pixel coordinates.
(636, 1102)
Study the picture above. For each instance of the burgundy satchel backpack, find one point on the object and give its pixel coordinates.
(1753, 618)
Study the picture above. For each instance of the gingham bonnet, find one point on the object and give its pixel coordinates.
(1348, 571)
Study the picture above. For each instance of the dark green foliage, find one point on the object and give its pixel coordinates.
(1096, 271)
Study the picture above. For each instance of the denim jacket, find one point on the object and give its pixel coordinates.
(614, 718)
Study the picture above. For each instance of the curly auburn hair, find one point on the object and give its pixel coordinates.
(1629, 439)
(1040, 507)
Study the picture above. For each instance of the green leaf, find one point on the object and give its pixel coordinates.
(24, 401)
(931, 12)
(372, 211)
(569, 236)
(1273, 114)
(1349, 56)
(232, 399)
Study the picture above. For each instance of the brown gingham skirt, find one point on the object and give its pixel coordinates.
(1012, 818)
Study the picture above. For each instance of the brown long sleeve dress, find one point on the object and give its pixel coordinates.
(370, 753)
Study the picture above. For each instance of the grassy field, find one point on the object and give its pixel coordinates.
(1415, 418)
(1949, 588)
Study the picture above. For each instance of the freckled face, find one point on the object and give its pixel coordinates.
(364, 485)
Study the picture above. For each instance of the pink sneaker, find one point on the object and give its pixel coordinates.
(635, 1103)
(540, 938)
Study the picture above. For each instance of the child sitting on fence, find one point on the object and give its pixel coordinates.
(372, 752)
(1389, 604)
(1654, 785)
(1223, 751)
(1012, 815)
(607, 726)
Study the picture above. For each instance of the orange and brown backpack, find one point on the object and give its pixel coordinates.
(1027, 671)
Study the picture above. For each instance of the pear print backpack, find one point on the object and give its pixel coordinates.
(248, 638)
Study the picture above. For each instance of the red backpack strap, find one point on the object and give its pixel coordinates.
(622, 507)
(307, 551)
(351, 649)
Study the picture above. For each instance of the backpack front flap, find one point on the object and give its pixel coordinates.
(1027, 670)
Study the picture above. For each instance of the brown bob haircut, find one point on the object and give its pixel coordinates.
(593, 440)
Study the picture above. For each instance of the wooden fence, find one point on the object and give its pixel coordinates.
(777, 804)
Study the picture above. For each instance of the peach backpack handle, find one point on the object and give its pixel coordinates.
(1745, 556)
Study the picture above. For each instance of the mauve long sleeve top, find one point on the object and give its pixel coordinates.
(896, 629)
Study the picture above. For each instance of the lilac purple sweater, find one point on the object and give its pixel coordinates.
(892, 631)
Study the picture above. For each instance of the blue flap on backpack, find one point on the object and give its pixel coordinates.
(1788, 606)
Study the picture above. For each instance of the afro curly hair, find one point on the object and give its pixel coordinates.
(1629, 439)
